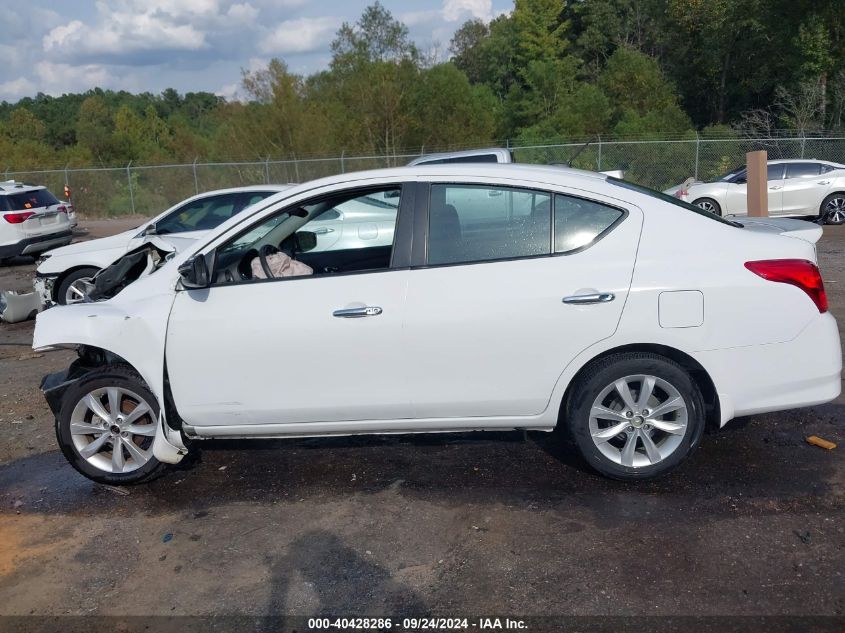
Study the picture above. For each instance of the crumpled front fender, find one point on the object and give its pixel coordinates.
(133, 329)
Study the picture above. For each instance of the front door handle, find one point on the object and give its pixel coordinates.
(322, 230)
(357, 313)
(824, 182)
(598, 297)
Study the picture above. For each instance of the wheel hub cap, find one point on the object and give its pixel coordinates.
(638, 420)
(112, 429)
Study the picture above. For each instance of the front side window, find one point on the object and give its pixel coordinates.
(802, 170)
(475, 223)
(774, 172)
(200, 215)
(579, 222)
(349, 232)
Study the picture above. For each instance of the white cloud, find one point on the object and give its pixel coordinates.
(230, 92)
(302, 35)
(58, 78)
(454, 10)
(14, 89)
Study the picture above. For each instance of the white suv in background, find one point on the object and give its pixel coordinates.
(63, 275)
(33, 220)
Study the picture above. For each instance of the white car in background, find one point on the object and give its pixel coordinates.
(64, 275)
(33, 220)
(508, 297)
(795, 187)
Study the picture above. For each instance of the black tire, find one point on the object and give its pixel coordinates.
(605, 372)
(832, 216)
(715, 207)
(108, 376)
(61, 290)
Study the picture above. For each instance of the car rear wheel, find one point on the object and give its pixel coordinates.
(833, 209)
(106, 427)
(635, 416)
(709, 205)
(75, 287)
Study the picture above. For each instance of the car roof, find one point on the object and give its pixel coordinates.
(215, 192)
(9, 187)
(780, 161)
(515, 171)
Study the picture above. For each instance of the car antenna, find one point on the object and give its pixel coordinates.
(578, 153)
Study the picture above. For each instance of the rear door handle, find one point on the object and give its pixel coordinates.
(776, 187)
(357, 313)
(322, 230)
(824, 182)
(599, 297)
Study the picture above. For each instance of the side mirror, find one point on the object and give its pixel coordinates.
(150, 230)
(194, 272)
(306, 241)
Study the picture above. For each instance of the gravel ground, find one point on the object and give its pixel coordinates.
(463, 525)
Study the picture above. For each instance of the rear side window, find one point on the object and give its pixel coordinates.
(802, 170)
(579, 222)
(826, 168)
(28, 200)
(469, 223)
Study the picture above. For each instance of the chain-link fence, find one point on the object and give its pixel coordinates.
(148, 190)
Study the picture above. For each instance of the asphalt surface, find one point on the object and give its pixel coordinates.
(454, 525)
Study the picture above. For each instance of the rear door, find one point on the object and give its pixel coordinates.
(803, 188)
(510, 284)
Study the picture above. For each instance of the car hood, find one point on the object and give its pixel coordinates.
(104, 243)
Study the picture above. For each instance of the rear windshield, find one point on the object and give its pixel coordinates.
(670, 199)
(475, 158)
(27, 200)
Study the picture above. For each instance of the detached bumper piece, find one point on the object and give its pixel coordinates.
(15, 307)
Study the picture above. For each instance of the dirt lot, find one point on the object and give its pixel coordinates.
(475, 524)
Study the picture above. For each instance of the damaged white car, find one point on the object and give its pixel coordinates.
(484, 297)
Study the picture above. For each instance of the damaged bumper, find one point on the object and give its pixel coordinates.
(43, 285)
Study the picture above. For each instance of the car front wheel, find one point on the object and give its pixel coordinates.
(709, 205)
(75, 287)
(106, 427)
(635, 415)
(833, 209)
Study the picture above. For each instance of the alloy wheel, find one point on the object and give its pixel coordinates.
(78, 291)
(835, 210)
(708, 206)
(638, 420)
(112, 428)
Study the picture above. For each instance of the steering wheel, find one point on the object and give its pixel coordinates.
(267, 249)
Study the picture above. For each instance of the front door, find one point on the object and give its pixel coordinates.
(323, 346)
(516, 283)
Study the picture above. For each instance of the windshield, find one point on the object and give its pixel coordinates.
(727, 176)
(670, 199)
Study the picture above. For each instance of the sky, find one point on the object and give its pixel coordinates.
(62, 46)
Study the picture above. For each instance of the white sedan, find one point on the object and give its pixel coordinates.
(65, 274)
(509, 297)
(795, 187)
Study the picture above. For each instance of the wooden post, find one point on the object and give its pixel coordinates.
(757, 176)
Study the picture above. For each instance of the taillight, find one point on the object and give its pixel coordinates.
(17, 218)
(61, 209)
(797, 272)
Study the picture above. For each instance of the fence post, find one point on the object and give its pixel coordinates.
(196, 182)
(803, 141)
(129, 181)
(697, 151)
(267, 170)
(599, 165)
(296, 167)
(342, 168)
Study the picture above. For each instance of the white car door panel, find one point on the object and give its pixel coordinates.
(804, 188)
(492, 338)
(279, 355)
